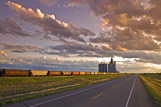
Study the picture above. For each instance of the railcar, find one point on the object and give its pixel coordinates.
(75, 73)
(92, 73)
(104, 73)
(101, 73)
(15, 72)
(54, 73)
(82, 73)
(88, 73)
(96, 73)
(67, 73)
(39, 72)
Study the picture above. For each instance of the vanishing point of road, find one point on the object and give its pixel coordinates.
(123, 92)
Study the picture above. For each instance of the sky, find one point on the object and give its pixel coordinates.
(76, 35)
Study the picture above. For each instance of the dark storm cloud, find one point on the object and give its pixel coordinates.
(49, 24)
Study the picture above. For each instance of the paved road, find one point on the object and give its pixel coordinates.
(123, 92)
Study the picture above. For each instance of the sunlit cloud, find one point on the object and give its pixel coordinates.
(128, 20)
(3, 53)
(50, 24)
(48, 36)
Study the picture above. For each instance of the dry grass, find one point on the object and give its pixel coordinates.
(15, 89)
(153, 85)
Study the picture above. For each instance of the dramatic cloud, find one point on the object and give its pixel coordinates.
(58, 63)
(91, 50)
(3, 53)
(49, 63)
(8, 26)
(126, 40)
(50, 24)
(135, 24)
(20, 48)
(73, 49)
(129, 30)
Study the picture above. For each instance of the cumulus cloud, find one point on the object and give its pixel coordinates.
(126, 40)
(2, 52)
(50, 24)
(131, 30)
(134, 24)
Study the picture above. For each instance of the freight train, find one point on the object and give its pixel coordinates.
(23, 73)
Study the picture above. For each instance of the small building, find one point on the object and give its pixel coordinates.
(102, 67)
(112, 67)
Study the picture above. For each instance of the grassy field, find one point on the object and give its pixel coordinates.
(16, 89)
(153, 85)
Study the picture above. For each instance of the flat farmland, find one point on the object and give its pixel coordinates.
(153, 85)
(17, 89)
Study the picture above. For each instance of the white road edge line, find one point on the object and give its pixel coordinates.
(130, 93)
(72, 94)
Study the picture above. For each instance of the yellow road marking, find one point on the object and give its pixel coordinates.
(98, 95)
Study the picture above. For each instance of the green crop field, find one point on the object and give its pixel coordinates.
(16, 89)
(153, 85)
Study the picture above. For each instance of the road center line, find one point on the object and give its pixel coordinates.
(98, 95)
(73, 93)
(130, 93)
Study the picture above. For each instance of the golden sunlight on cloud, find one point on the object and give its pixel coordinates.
(108, 47)
(120, 48)
(156, 66)
(51, 16)
(44, 57)
(123, 18)
(23, 11)
(39, 13)
(104, 23)
(62, 23)
(3, 53)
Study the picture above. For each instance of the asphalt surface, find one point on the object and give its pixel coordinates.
(123, 92)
